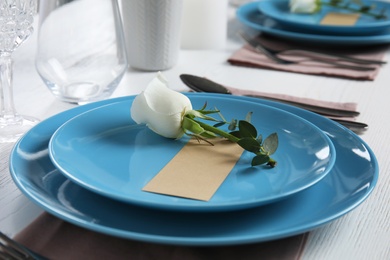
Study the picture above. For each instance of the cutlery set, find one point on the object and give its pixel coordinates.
(199, 84)
(10, 249)
(326, 58)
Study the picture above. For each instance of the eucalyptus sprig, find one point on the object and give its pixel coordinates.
(170, 114)
(241, 132)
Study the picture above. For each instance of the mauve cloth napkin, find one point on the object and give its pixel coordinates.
(246, 56)
(352, 106)
(57, 239)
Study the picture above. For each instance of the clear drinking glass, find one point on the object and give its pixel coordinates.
(16, 18)
(81, 53)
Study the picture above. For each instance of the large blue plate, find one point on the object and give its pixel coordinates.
(279, 10)
(348, 184)
(250, 16)
(105, 151)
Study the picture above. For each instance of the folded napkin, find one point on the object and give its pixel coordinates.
(351, 106)
(246, 56)
(57, 239)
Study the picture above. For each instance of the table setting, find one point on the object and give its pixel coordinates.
(332, 39)
(215, 151)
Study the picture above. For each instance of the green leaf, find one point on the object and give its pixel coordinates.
(207, 112)
(259, 159)
(247, 129)
(365, 9)
(271, 143)
(236, 134)
(249, 144)
(219, 124)
(204, 106)
(248, 117)
(233, 124)
(191, 125)
(259, 139)
(220, 115)
(200, 114)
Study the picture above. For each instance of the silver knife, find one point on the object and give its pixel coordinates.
(200, 84)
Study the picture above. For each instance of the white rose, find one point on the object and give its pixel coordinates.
(161, 108)
(304, 6)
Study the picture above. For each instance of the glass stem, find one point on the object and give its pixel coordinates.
(6, 93)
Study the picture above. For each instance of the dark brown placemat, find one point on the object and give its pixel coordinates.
(57, 239)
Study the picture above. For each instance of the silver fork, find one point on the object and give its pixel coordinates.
(12, 250)
(273, 55)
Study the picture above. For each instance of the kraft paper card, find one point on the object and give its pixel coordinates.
(197, 171)
(340, 19)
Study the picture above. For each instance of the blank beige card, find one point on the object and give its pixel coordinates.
(197, 171)
(340, 19)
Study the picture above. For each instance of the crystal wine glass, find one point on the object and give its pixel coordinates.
(16, 18)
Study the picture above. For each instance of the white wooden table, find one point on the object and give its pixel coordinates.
(364, 233)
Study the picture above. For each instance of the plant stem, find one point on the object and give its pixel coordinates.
(218, 131)
(271, 162)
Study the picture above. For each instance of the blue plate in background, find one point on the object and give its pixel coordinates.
(250, 16)
(279, 10)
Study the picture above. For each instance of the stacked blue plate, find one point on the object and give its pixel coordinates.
(105, 151)
(274, 17)
(88, 165)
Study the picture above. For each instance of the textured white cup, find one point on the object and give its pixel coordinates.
(152, 33)
(204, 24)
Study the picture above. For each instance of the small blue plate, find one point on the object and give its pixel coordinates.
(279, 10)
(249, 15)
(105, 151)
(349, 183)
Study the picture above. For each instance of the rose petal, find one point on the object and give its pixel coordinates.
(164, 100)
(304, 6)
